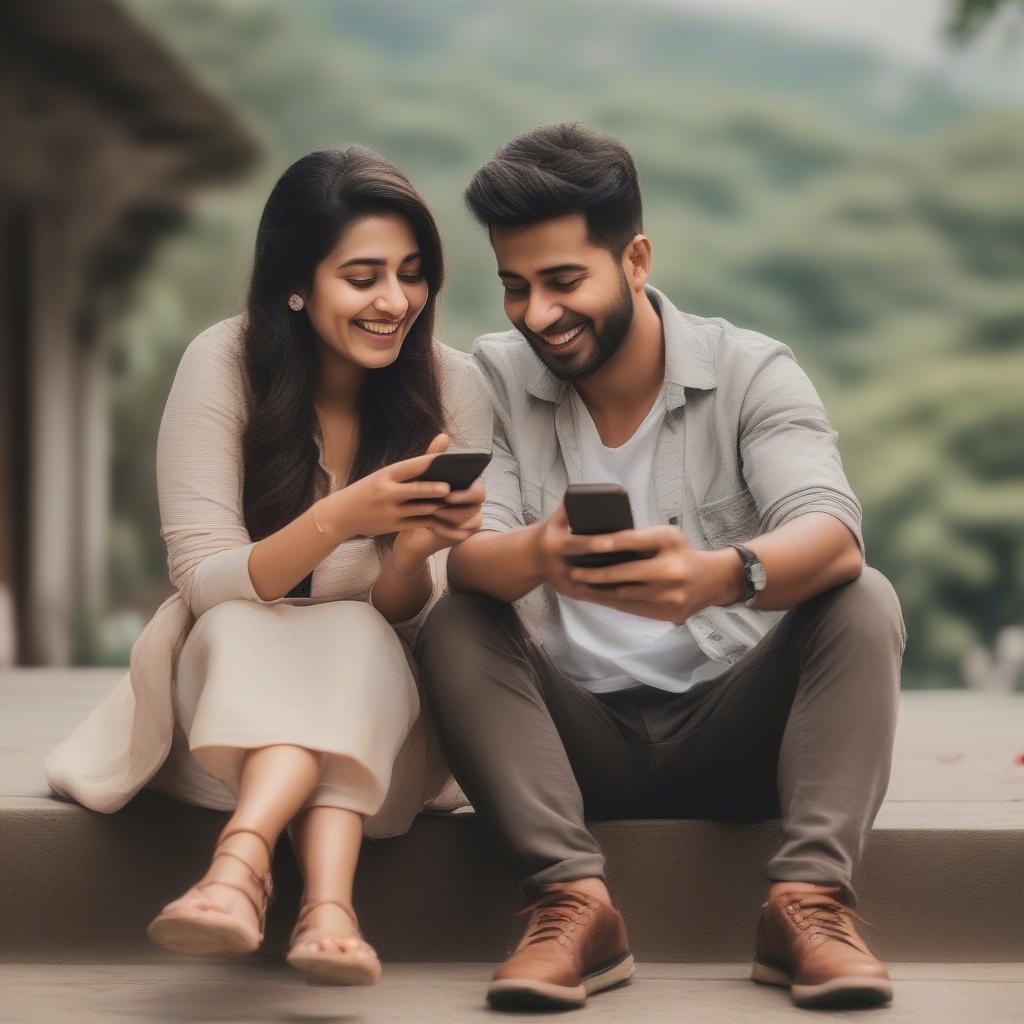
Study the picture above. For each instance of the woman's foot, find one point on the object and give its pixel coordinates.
(328, 945)
(226, 910)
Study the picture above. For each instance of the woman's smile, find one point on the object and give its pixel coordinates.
(380, 333)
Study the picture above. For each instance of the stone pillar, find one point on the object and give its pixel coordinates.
(12, 425)
(93, 440)
(52, 421)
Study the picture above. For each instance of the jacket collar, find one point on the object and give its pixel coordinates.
(689, 361)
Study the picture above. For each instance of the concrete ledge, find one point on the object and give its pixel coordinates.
(940, 879)
(81, 886)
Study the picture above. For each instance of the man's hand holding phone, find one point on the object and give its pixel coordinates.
(663, 576)
(675, 582)
(556, 543)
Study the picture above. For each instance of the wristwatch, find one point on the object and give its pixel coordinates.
(753, 572)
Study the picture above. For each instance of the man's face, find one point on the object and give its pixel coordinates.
(569, 298)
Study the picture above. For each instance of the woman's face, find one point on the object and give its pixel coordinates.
(368, 290)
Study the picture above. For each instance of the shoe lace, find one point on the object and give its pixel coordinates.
(551, 914)
(827, 916)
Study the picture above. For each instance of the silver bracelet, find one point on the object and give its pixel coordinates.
(316, 521)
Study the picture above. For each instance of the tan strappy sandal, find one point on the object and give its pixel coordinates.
(194, 923)
(357, 964)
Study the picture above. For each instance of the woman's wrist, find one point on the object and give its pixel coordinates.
(329, 518)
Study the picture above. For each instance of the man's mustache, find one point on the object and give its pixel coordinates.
(559, 328)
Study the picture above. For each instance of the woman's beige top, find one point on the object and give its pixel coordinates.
(110, 756)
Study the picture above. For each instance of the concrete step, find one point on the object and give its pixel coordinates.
(264, 991)
(940, 880)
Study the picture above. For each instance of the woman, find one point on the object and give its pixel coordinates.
(277, 683)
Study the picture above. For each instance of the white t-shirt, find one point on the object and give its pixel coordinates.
(606, 649)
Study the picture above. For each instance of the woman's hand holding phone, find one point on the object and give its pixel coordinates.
(427, 515)
(390, 500)
(459, 517)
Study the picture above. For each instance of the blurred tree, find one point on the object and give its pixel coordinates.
(971, 16)
(879, 233)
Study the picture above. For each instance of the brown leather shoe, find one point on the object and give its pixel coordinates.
(573, 945)
(806, 942)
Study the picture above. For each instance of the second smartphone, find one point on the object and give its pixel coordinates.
(600, 508)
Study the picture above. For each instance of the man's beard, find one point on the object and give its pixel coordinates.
(607, 341)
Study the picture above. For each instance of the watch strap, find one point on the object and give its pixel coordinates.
(748, 556)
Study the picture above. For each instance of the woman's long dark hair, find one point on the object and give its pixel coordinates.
(399, 406)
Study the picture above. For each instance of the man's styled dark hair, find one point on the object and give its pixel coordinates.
(558, 169)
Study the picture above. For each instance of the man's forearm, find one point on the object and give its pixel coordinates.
(503, 565)
(802, 559)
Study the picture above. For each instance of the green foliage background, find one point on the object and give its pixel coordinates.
(863, 212)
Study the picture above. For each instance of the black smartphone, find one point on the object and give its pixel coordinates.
(600, 508)
(457, 469)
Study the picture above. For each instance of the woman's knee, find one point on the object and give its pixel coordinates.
(361, 615)
(358, 624)
(221, 615)
(380, 659)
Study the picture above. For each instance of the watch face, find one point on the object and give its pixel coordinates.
(758, 576)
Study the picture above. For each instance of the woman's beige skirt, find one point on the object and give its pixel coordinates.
(333, 677)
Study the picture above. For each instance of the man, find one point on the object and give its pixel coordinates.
(750, 669)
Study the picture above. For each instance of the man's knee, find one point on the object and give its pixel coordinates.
(462, 615)
(869, 608)
(459, 626)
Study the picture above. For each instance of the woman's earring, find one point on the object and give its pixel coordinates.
(295, 302)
